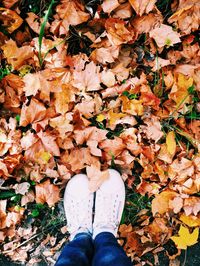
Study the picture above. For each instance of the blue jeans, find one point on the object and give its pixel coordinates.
(104, 250)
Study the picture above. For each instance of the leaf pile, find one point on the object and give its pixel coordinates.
(89, 85)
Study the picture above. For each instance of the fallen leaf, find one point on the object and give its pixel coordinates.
(47, 193)
(22, 188)
(142, 6)
(164, 36)
(15, 56)
(185, 238)
(109, 5)
(171, 143)
(96, 177)
(35, 111)
(160, 204)
(117, 31)
(88, 79)
(190, 220)
(11, 20)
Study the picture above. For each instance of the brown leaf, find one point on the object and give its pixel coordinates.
(88, 79)
(109, 5)
(35, 111)
(68, 12)
(105, 54)
(164, 35)
(15, 56)
(47, 193)
(11, 20)
(117, 31)
(142, 6)
(160, 204)
(49, 143)
(96, 177)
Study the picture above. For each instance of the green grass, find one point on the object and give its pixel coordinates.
(134, 204)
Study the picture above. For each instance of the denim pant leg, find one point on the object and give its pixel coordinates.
(108, 252)
(78, 252)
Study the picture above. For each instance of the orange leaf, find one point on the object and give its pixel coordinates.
(15, 56)
(190, 220)
(96, 176)
(47, 193)
(160, 204)
(142, 6)
(11, 20)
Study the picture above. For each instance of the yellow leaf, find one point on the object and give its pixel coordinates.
(43, 157)
(113, 117)
(171, 143)
(183, 82)
(133, 107)
(185, 239)
(100, 118)
(190, 220)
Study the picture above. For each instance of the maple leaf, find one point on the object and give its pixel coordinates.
(160, 204)
(105, 54)
(109, 5)
(46, 81)
(186, 9)
(190, 220)
(49, 143)
(179, 92)
(68, 12)
(153, 129)
(47, 193)
(3, 170)
(35, 111)
(145, 23)
(73, 159)
(142, 6)
(96, 177)
(62, 124)
(164, 35)
(88, 79)
(108, 78)
(10, 19)
(113, 117)
(17, 56)
(185, 238)
(117, 31)
(133, 107)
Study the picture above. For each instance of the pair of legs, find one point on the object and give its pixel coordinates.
(93, 237)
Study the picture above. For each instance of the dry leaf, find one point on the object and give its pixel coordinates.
(160, 204)
(96, 177)
(164, 35)
(109, 5)
(142, 6)
(11, 20)
(185, 238)
(171, 143)
(47, 193)
(88, 79)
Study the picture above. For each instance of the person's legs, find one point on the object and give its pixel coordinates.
(78, 252)
(108, 252)
(109, 205)
(78, 205)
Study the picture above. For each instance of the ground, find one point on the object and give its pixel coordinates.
(115, 83)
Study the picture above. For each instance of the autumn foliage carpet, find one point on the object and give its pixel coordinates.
(90, 85)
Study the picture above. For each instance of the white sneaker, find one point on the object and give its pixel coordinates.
(109, 204)
(78, 205)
